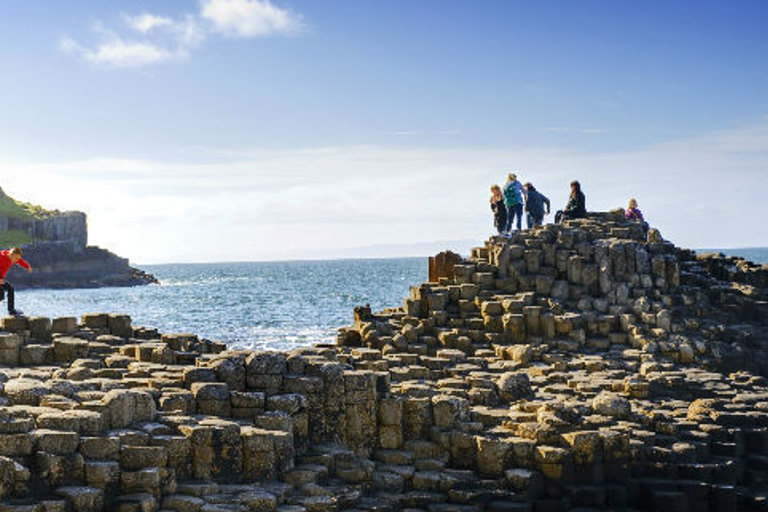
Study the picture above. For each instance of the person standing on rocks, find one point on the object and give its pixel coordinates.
(633, 212)
(576, 208)
(534, 206)
(513, 199)
(8, 259)
(498, 208)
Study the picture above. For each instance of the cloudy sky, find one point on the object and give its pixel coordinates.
(232, 130)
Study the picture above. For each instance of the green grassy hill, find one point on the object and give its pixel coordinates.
(14, 237)
(14, 209)
(10, 207)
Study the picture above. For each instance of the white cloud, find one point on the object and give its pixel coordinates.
(68, 45)
(250, 18)
(128, 54)
(163, 39)
(706, 191)
(146, 22)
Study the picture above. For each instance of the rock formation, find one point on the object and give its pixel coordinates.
(575, 367)
(56, 244)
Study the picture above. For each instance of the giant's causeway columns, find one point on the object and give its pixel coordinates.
(588, 366)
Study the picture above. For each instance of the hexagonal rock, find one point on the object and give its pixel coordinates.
(611, 404)
(183, 503)
(493, 454)
(266, 453)
(6, 476)
(64, 325)
(14, 323)
(82, 499)
(585, 445)
(514, 386)
(67, 349)
(127, 406)
(120, 325)
(139, 457)
(26, 391)
(212, 398)
(702, 408)
(95, 320)
(258, 500)
(40, 328)
(10, 340)
(76, 420)
(140, 501)
(55, 441)
(448, 410)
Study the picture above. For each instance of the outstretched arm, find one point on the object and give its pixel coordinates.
(23, 264)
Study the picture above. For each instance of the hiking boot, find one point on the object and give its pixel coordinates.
(16, 312)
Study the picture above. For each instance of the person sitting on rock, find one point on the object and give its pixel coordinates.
(576, 208)
(498, 208)
(633, 212)
(534, 206)
(513, 198)
(8, 259)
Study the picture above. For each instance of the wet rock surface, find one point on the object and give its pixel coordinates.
(575, 367)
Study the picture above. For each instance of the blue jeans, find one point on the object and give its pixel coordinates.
(514, 210)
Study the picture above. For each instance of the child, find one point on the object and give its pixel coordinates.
(498, 208)
(7, 260)
(633, 212)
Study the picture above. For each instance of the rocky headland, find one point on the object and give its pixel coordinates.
(581, 367)
(56, 245)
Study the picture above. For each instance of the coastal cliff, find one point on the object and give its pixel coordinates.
(56, 245)
(585, 366)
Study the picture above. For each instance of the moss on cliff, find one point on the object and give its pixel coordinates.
(10, 207)
(14, 237)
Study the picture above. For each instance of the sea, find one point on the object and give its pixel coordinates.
(259, 305)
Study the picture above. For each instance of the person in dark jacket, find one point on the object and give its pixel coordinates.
(576, 208)
(498, 208)
(534, 206)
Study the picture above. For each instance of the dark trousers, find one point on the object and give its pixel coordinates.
(500, 221)
(514, 210)
(534, 220)
(8, 287)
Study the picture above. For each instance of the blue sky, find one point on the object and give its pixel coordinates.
(308, 128)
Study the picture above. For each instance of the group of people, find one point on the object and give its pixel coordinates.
(509, 202)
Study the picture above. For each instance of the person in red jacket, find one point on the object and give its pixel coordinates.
(8, 259)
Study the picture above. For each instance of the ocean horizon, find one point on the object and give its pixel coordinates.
(258, 305)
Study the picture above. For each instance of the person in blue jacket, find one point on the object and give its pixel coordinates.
(514, 195)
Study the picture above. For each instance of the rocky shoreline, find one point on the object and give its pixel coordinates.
(56, 244)
(63, 265)
(588, 366)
